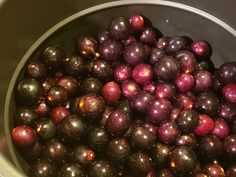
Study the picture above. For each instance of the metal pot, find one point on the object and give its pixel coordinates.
(169, 17)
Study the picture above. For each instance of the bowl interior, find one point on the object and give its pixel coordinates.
(169, 20)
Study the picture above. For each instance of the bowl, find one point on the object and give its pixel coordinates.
(169, 17)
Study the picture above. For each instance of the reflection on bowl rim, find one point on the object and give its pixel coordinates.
(83, 13)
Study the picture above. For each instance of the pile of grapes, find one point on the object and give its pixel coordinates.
(129, 103)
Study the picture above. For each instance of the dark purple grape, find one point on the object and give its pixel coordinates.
(111, 50)
(119, 28)
(58, 114)
(184, 82)
(91, 85)
(42, 168)
(200, 48)
(111, 92)
(142, 73)
(56, 96)
(229, 146)
(156, 54)
(102, 69)
(162, 42)
(74, 65)
(227, 73)
(87, 46)
(228, 111)
(210, 147)
(91, 106)
(229, 93)
(188, 120)
(158, 111)
(165, 90)
(141, 100)
(140, 164)
(70, 84)
(205, 125)
(187, 61)
(119, 149)
(130, 88)
(55, 152)
(45, 129)
(23, 136)
(160, 153)
(167, 68)
(141, 138)
(28, 92)
(53, 56)
(25, 115)
(175, 44)
(136, 22)
(203, 80)
(148, 35)
(122, 72)
(183, 161)
(168, 132)
(207, 103)
(72, 129)
(221, 128)
(118, 122)
(36, 70)
(97, 138)
(134, 53)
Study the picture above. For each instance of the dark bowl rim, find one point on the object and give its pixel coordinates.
(73, 17)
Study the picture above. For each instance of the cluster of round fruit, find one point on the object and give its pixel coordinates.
(131, 103)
